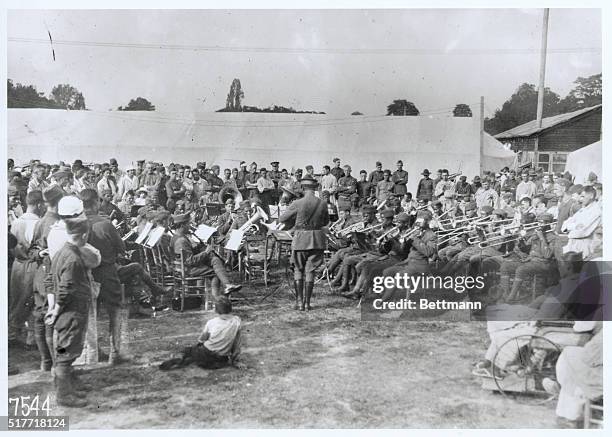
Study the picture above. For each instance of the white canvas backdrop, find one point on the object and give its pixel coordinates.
(227, 138)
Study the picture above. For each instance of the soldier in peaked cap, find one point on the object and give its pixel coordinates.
(310, 215)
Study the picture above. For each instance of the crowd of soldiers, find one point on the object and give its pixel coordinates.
(66, 225)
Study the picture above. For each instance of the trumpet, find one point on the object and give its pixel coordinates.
(391, 233)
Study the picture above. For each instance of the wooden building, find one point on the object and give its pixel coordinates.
(558, 136)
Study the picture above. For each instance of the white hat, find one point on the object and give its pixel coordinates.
(130, 167)
(70, 206)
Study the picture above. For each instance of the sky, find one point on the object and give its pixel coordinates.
(336, 61)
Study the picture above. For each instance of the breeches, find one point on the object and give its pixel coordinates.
(306, 262)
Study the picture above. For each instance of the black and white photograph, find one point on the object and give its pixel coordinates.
(304, 218)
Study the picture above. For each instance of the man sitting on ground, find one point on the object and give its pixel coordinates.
(219, 344)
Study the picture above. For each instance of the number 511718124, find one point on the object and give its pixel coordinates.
(29, 406)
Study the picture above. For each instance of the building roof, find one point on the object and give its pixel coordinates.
(530, 128)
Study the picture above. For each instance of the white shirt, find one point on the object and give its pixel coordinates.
(221, 332)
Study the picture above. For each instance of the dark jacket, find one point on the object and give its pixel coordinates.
(310, 215)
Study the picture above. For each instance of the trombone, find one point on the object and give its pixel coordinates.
(409, 234)
(515, 233)
(372, 228)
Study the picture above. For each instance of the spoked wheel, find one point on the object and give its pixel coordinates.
(526, 360)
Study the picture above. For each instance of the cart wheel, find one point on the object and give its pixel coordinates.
(528, 359)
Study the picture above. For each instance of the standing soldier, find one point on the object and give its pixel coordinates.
(275, 175)
(43, 334)
(347, 186)
(309, 241)
(384, 189)
(400, 179)
(365, 189)
(215, 183)
(104, 237)
(426, 187)
(337, 171)
(72, 282)
(377, 175)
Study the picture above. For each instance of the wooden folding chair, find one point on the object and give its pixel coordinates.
(186, 285)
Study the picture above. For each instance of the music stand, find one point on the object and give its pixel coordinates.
(280, 238)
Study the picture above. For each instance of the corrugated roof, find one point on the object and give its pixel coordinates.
(531, 128)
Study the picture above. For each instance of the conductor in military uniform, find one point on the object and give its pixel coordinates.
(310, 216)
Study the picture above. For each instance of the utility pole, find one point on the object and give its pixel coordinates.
(481, 124)
(541, 83)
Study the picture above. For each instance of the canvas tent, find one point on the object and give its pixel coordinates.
(227, 138)
(585, 160)
(495, 156)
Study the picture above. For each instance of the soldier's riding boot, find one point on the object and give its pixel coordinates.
(299, 294)
(66, 396)
(308, 286)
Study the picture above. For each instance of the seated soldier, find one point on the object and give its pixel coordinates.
(349, 262)
(219, 344)
(423, 247)
(539, 261)
(368, 218)
(392, 252)
(206, 263)
(462, 259)
(496, 248)
(458, 242)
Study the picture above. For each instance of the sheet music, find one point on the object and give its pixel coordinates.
(154, 236)
(145, 232)
(235, 240)
(204, 232)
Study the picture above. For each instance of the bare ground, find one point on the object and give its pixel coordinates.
(322, 369)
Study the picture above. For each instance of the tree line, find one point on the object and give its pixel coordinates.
(520, 108)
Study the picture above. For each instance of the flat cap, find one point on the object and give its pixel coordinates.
(70, 206)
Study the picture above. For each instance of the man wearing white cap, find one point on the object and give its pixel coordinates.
(129, 181)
